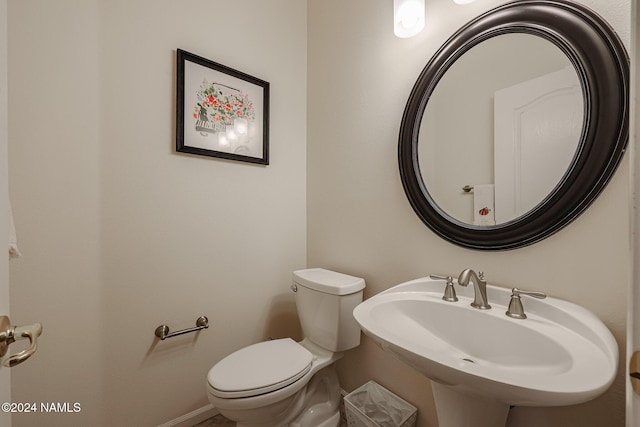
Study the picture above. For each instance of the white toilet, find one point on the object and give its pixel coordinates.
(285, 383)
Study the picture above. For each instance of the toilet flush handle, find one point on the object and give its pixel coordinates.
(294, 287)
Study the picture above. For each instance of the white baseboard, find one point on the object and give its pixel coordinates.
(193, 417)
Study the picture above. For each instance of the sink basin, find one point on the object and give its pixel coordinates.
(562, 354)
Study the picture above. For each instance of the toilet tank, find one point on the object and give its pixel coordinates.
(325, 301)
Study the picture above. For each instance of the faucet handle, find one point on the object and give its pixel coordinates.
(449, 291)
(516, 310)
(535, 294)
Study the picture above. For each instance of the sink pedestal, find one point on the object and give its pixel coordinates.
(457, 409)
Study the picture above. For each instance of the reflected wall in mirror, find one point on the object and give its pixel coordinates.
(509, 113)
(453, 133)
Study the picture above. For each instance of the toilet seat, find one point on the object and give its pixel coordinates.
(260, 368)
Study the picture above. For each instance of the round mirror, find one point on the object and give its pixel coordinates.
(516, 124)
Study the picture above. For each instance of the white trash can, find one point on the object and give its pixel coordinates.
(372, 405)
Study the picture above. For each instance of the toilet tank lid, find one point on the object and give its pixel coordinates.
(328, 281)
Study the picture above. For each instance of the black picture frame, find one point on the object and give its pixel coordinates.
(220, 112)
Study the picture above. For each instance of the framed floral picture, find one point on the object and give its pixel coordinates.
(221, 112)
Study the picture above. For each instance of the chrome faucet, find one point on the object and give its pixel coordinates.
(479, 285)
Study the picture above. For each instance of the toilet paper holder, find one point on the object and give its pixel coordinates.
(162, 331)
(10, 334)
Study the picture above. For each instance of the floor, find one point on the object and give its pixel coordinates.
(217, 421)
(220, 421)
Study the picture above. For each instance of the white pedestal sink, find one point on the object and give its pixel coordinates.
(481, 362)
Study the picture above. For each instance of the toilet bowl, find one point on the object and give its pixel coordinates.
(286, 383)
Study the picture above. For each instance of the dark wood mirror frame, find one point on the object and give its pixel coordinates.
(602, 65)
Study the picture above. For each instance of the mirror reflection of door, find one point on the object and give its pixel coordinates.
(456, 137)
(537, 126)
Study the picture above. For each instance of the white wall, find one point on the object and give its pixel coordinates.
(189, 235)
(360, 222)
(121, 234)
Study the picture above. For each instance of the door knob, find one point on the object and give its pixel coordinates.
(10, 334)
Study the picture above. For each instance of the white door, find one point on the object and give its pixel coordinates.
(5, 381)
(537, 126)
(633, 318)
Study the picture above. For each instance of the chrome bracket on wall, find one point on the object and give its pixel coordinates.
(162, 331)
(10, 334)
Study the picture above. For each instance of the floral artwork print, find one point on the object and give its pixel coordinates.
(220, 112)
(219, 106)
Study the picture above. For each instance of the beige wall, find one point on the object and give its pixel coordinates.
(360, 222)
(5, 374)
(119, 233)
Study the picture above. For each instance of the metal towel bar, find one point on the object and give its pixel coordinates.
(162, 331)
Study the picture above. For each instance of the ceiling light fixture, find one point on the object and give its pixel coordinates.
(408, 17)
